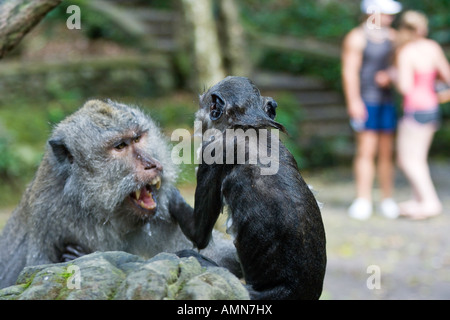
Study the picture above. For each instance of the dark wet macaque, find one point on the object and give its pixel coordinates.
(106, 182)
(275, 219)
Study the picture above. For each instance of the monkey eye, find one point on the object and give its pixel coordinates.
(120, 146)
(136, 139)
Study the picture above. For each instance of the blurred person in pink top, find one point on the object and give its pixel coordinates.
(419, 62)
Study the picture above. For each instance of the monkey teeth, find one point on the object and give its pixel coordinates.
(144, 196)
(156, 182)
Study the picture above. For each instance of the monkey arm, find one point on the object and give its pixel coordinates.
(208, 203)
(183, 213)
(197, 224)
(179, 209)
(221, 251)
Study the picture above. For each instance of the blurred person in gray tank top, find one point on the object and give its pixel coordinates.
(366, 55)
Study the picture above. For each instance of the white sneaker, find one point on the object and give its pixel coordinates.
(388, 208)
(360, 209)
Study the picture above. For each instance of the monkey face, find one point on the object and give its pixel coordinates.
(147, 170)
(110, 157)
(236, 102)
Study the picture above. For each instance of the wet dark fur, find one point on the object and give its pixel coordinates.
(277, 224)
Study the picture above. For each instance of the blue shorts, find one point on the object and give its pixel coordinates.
(381, 117)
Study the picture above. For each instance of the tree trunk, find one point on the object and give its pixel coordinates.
(233, 45)
(206, 48)
(18, 17)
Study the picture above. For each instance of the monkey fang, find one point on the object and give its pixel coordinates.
(258, 147)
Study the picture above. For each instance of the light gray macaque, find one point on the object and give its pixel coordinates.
(106, 182)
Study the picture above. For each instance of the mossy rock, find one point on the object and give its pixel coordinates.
(123, 276)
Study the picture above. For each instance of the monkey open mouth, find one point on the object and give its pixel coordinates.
(144, 198)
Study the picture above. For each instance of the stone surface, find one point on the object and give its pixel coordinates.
(123, 276)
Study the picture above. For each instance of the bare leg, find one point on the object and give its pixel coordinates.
(414, 141)
(364, 164)
(364, 171)
(386, 164)
(387, 206)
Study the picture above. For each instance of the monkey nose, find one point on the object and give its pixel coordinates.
(150, 164)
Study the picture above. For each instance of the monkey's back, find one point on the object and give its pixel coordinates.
(279, 231)
(13, 243)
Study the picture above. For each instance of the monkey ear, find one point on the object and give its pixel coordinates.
(270, 106)
(60, 150)
(217, 107)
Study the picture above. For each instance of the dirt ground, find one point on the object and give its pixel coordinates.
(378, 258)
(400, 259)
(411, 259)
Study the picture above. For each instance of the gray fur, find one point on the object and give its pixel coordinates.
(79, 191)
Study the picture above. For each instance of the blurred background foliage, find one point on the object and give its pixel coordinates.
(107, 59)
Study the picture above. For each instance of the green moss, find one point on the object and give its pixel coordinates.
(66, 274)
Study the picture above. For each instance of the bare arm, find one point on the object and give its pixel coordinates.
(352, 55)
(443, 66)
(405, 69)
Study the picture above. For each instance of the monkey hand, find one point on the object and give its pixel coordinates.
(71, 252)
(204, 261)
